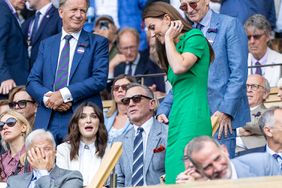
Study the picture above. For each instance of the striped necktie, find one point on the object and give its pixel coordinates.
(61, 79)
(137, 169)
(278, 159)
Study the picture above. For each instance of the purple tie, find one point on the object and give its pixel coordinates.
(258, 69)
(61, 79)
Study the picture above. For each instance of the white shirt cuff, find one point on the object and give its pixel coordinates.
(45, 98)
(66, 94)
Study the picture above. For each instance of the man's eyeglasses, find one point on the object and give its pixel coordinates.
(135, 99)
(123, 87)
(192, 4)
(10, 122)
(21, 104)
(254, 87)
(256, 37)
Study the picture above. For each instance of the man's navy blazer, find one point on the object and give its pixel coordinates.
(13, 48)
(88, 75)
(51, 24)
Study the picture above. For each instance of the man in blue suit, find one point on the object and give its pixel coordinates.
(13, 49)
(205, 159)
(227, 73)
(47, 21)
(71, 67)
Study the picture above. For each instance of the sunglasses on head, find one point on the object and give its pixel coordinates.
(135, 99)
(10, 122)
(21, 104)
(256, 37)
(123, 87)
(184, 5)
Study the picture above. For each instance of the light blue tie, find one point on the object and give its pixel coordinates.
(137, 169)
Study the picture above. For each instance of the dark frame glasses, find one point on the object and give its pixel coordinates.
(123, 87)
(184, 5)
(21, 104)
(256, 37)
(135, 99)
(10, 122)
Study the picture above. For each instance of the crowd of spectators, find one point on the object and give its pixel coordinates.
(168, 67)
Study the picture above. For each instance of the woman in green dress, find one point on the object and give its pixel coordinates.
(186, 54)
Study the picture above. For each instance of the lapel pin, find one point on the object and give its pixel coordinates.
(47, 16)
(80, 50)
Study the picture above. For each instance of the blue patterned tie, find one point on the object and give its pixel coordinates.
(258, 69)
(199, 26)
(137, 169)
(277, 157)
(61, 79)
(35, 26)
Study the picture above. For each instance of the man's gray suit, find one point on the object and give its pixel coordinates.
(256, 164)
(58, 178)
(153, 160)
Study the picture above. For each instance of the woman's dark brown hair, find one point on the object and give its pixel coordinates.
(113, 107)
(74, 135)
(159, 10)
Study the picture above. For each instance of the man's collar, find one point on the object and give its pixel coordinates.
(206, 19)
(146, 126)
(45, 8)
(74, 35)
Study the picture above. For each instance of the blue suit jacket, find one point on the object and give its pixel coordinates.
(88, 74)
(243, 9)
(51, 24)
(13, 48)
(255, 165)
(228, 72)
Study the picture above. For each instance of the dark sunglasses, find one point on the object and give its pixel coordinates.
(21, 104)
(123, 87)
(256, 37)
(10, 122)
(184, 5)
(135, 99)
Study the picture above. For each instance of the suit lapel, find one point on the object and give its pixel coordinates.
(81, 48)
(152, 143)
(26, 180)
(128, 148)
(44, 22)
(54, 55)
(213, 28)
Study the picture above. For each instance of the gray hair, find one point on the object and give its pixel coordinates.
(266, 85)
(196, 144)
(260, 22)
(267, 118)
(39, 132)
(63, 2)
(147, 90)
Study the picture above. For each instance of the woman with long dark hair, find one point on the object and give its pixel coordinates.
(86, 142)
(185, 54)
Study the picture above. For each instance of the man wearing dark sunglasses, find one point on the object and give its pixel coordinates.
(22, 102)
(227, 73)
(258, 30)
(142, 160)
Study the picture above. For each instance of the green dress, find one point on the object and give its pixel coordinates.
(189, 116)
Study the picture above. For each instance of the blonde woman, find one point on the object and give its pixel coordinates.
(14, 129)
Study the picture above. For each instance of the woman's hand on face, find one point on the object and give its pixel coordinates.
(174, 30)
